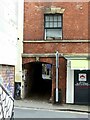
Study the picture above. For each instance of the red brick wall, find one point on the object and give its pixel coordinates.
(52, 47)
(75, 20)
(62, 78)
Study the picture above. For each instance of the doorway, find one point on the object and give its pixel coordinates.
(81, 86)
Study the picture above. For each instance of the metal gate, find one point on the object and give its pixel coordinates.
(81, 86)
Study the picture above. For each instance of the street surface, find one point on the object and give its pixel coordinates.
(43, 113)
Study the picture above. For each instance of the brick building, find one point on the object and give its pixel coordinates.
(61, 27)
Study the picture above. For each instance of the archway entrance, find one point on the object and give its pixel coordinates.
(38, 81)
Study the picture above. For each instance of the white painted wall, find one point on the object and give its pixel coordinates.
(8, 31)
(18, 66)
(70, 84)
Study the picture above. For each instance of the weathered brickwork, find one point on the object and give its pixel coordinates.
(75, 20)
(7, 74)
(52, 47)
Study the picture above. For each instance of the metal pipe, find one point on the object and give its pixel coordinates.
(57, 66)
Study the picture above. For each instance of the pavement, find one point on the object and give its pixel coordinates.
(39, 104)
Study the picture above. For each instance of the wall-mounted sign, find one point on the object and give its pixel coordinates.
(82, 77)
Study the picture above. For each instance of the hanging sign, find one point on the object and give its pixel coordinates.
(82, 77)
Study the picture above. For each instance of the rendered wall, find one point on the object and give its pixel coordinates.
(8, 31)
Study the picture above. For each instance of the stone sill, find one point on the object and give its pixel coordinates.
(56, 41)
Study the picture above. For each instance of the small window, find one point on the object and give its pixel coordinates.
(53, 26)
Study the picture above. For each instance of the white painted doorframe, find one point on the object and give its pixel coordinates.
(69, 84)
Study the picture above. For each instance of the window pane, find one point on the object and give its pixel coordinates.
(55, 24)
(46, 18)
(59, 18)
(51, 18)
(61, 33)
(59, 24)
(51, 24)
(55, 18)
(47, 24)
(54, 33)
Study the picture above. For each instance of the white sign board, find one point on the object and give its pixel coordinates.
(82, 77)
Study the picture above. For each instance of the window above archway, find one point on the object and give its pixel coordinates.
(53, 23)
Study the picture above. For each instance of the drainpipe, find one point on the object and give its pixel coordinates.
(57, 66)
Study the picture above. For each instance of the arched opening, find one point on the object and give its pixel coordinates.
(37, 80)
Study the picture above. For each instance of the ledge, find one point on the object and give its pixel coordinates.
(67, 55)
(77, 56)
(56, 41)
(39, 55)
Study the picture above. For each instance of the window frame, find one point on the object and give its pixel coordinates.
(45, 28)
